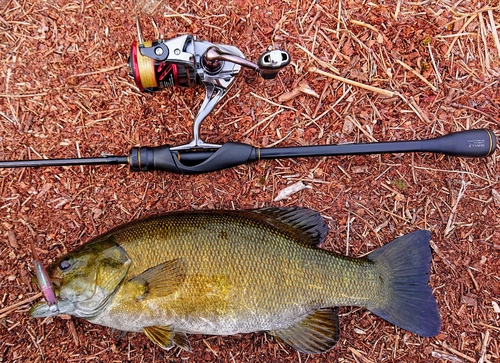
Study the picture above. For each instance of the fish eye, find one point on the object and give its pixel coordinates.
(64, 265)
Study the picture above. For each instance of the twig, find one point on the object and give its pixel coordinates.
(487, 115)
(407, 67)
(24, 95)
(381, 91)
(482, 31)
(270, 117)
(482, 358)
(460, 354)
(398, 8)
(357, 124)
(358, 355)
(436, 71)
(493, 31)
(447, 54)
(489, 326)
(416, 108)
(9, 309)
(271, 102)
(472, 278)
(316, 17)
(449, 225)
(472, 17)
(339, 19)
(451, 171)
(365, 25)
(443, 258)
(322, 63)
(333, 47)
(104, 70)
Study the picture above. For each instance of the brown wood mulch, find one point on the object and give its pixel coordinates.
(433, 68)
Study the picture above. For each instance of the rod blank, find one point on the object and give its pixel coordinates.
(110, 160)
(470, 143)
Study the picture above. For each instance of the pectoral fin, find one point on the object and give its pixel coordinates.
(166, 337)
(316, 333)
(161, 280)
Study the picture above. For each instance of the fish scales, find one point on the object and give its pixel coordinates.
(234, 268)
(228, 272)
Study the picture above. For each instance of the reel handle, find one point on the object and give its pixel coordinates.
(268, 65)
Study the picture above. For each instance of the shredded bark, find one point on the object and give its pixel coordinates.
(361, 71)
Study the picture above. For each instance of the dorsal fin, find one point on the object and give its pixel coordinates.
(307, 224)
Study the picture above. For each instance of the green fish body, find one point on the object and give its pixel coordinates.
(228, 272)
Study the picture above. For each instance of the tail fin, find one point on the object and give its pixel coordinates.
(405, 268)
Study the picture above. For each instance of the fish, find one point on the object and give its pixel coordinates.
(224, 272)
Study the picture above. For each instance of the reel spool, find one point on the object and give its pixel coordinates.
(152, 75)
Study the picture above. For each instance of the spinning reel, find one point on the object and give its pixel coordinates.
(188, 62)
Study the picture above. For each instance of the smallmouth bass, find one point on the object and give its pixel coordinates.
(226, 272)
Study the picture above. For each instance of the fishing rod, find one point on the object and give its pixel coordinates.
(476, 143)
(187, 62)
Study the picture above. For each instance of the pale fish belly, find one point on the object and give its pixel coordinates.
(232, 322)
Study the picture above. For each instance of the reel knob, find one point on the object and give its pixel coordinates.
(271, 62)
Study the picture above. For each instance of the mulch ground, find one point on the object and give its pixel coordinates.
(434, 66)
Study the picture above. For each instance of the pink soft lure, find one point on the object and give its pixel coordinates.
(44, 281)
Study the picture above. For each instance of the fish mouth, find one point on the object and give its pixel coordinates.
(42, 309)
(81, 308)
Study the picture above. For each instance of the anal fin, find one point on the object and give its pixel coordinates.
(316, 333)
(165, 337)
(182, 341)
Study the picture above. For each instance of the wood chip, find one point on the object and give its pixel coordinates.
(496, 197)
(290, 190)
(11, 236)
(45, 189)
(303, 87)
(359, 169)
(496, 308)
(446, 357)
(348, 127)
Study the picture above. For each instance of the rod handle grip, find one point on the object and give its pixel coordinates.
(162, 158)
(478, 143)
